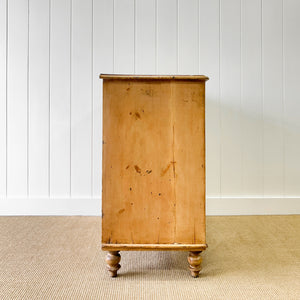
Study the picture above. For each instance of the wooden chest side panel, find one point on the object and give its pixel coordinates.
(137, 200)
(189, 157)
(153, 162)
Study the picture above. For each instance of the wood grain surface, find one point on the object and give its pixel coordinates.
(154, 77)
(154, 247)
(153, 162)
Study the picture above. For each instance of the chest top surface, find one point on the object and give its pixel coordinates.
(153, 77)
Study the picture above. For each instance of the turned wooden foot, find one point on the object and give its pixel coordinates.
(195, 260)
(112, 259)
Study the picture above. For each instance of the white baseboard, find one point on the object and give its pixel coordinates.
(91, 206)
(45, 206)
(224, 206)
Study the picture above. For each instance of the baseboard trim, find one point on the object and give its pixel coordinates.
(91, 206)
(43, 206)
(224, 206)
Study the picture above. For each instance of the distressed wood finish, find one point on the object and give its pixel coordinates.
(195, 261)
(154, 247)
(154, 77)
(153, 163)
(112, 259)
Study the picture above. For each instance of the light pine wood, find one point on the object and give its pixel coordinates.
(153, 192)
(154, 247)
(154, 77)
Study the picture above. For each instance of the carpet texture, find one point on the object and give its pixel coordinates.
(249, 257)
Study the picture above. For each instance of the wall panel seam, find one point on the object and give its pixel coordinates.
(177, 36)
(156, 67)
(283, 106)
(134, 36)
(262, 97)
(28, 101)
(92, 101)
(6, 98)
(198, 35)
(113, 40)
(241, 89)
(70, 130)
(219, 104)
(49, 98)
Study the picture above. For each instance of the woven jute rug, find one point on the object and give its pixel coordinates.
(249, 257)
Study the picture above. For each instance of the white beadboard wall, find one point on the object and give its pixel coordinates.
(52, 51)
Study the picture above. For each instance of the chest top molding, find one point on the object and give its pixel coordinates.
(153, 77)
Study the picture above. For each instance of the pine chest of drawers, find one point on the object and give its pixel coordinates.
(153, 195)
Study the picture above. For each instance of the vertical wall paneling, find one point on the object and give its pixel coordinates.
(251, 99)
(230, 97)
(145, 36)
(291, 50)
(209, 32)
(81, 103)
(103, 63)
(188, 36)
(51, 55)
(124, 36)
(38, 101)
(273, 98)
(3, 69)
(167, 37)
(60, 41)
(17, 98)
